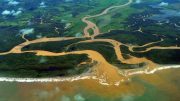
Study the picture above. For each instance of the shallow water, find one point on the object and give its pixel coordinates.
(161, 86)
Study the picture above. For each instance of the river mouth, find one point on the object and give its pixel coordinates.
(138, 62)
(90, 55)
(141, 87)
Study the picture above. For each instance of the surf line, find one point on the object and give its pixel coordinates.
(76, 78)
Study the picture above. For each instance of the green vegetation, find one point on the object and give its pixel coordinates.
(159, 56)
(64, 15)
(57, 46)
(115, 18)
(30, 65)
(9, 38)
(128, 37)
(104, 48)
(62, 18)
(166, 43)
